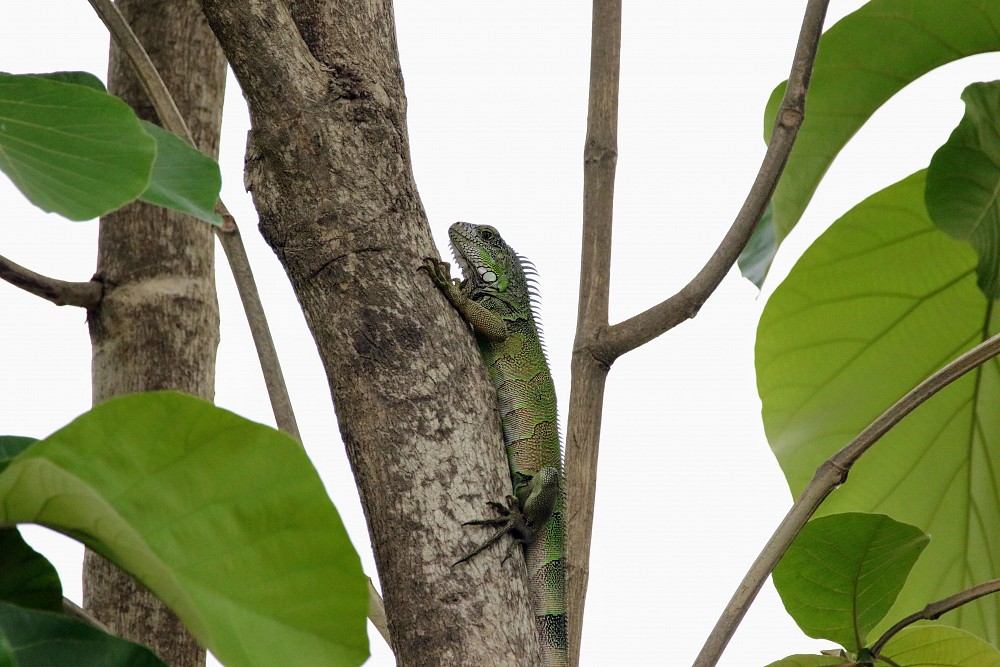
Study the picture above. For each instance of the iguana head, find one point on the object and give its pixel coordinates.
(491, 268)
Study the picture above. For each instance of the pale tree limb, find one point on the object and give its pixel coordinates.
(829, 476)
(935, 610)
(228, 235)
(59, 292)
(232, 244)
(597, 345)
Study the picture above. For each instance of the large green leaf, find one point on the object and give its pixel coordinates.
(862, 61)
(31, 638)
(11, 446)
(224, 519)
(939, 646)
(879, 302)
(963, 180)
(844, 571)
(183, 178)
(811, 661)
(79, 78)
(71, 149)
(27, 579)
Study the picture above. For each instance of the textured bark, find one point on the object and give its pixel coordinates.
(157, 326)
(328, 166)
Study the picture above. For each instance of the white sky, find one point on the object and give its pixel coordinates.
(688, 489)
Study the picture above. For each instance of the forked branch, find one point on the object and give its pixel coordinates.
(597, 345)
(686, 303)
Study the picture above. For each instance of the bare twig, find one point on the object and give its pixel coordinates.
(684, 305)
(228, 235)
(78, 612)
(829, 476)
(597, 345)
(59, 292)
(232, 245)
(935, 610)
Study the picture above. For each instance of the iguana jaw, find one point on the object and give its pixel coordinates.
(474, 258)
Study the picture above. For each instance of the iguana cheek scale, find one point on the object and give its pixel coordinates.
(496, 299)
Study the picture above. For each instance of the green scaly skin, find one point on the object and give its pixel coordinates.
(496, 300)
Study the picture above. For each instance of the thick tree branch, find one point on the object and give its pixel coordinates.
(229, 234)
(59, 292)
(935, 610)
(684, 305)
(329, 169)
(829, 476)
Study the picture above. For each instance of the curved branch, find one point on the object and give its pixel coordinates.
(829, 476)
(935, 610)
(228, 235)
(684, 305)
(59, 292)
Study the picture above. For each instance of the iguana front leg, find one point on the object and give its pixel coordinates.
(483, 321)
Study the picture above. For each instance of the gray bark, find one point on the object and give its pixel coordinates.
(328, 166)
(157, 326)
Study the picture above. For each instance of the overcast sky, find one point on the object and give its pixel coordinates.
(688, 489)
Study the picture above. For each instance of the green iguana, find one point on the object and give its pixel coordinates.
(496, 299)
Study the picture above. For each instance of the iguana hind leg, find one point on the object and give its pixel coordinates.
(511, 521)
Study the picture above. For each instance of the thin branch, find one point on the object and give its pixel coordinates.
(684, 305)
(59, 292)
(72, 609)
(829, 476)
(935, 610)
(228, 235)
(232, 245)
(582, 437)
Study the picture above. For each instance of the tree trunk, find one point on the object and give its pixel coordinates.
(329, 169)
(158, 324)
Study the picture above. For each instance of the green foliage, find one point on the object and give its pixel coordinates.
(963, 180)
(938, 646)
(878, 303)
(11, 446)
(224, 519)
(183, 178)
(862, 61)
(72, 149)
(31, 638)
(844, 571)
(811, 661)
(27, 579)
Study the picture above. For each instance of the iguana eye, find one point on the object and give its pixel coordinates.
(487, 233)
